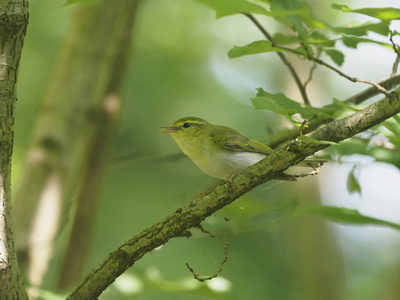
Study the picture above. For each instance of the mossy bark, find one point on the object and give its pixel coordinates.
(13, 24)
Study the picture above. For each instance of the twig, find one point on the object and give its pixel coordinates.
(353, 79)
(388, 83)
(397, 51)
(226, 246)
(282, 56)
(314, 66)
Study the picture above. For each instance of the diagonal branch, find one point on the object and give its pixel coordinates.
(193, 213)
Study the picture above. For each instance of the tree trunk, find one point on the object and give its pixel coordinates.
(13, 24)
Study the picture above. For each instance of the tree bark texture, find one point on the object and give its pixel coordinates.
(193, 213)
(13, 24)
(89, 72)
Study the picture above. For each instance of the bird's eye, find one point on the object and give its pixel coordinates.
(186, 125)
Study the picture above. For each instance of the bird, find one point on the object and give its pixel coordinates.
(219, 151)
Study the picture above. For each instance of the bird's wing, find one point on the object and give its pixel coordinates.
(232, 140)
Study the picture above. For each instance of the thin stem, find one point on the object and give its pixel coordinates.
(284, 60)
(321, 62)
(397, 51)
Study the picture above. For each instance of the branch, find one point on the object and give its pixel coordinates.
(283, 58)
(193, 213)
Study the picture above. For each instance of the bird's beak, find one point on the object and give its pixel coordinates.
(169, 129)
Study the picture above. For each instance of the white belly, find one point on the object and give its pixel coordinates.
(225, 163)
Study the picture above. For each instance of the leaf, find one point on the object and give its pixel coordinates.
(285, 39)
(294, 20)
(268, 104)
(225, 8)
(336, 56)
(307, 139)
(352, 42)
(343, 105)
(315, 38)
(351, 146)
(256, 47)
(353, 185)
(344, 215)
(357, 29)
(285, 106)
(381, 13)
(390, 156)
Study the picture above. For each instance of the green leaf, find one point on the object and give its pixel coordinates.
(294, 20)
(330, 110)
(285, 106)
(357, 29)
(285, 39)
(344, 215)
(390, 156)
(352, 42)
(351, 146)
(268, 104)
(315, 38)
(343, 105)
(318, 38)
(256, 47)
(336, 56)
(353, 185)
(381, 13)
(308, 139)
(225, 8)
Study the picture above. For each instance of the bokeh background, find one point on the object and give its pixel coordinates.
(179, 67)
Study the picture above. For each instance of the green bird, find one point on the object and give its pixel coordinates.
(219, 151)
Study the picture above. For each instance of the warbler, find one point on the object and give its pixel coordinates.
(218, 151)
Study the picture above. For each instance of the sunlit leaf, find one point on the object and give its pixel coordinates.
(336, 56)
(381, 13)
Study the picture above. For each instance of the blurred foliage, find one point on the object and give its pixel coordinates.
(177, 53)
